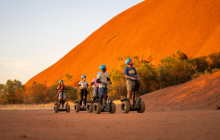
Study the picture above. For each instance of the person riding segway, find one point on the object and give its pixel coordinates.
(132, 85)
(61, 96)
(83, 84)
(95, 85)
(100, 105)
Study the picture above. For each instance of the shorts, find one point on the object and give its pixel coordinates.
(62, 94)
(130, 85)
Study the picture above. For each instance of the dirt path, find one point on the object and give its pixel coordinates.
(167, 125)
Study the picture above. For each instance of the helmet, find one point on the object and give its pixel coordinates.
(60, 81)
(102, 67)
(83, 76)
(98, 72)
(128, 60)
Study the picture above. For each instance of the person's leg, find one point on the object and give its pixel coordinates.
(81, 97)
(128, 89)
(129, 95)
(64, 98)
(101, 92)
(129, 85)
(94, 94)
(105, 96)
(59, 98)
(85, 99)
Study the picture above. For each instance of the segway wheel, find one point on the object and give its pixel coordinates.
(56, 108)
(97, 108)
(141, 108)
(89, 107)
(125, 107)
(68, 108)
(113, 108)
(77, 107)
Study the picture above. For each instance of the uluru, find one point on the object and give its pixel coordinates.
(151, 29)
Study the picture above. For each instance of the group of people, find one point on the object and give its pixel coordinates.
(99, 84)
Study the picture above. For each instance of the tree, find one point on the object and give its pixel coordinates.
(39, 92)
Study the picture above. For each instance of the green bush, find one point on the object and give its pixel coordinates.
(200, 63)
(215, 60)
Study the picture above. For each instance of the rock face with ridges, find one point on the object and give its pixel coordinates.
(153, 28)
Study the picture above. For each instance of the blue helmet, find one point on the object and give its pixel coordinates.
(127, 61)
(98, 72)
(83, 76)
(102, 67)
(60, 81)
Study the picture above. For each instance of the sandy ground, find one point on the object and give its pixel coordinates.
(155, 125)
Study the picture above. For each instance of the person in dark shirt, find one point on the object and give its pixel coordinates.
(131, 75)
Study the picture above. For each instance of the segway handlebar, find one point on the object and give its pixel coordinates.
(107, 83)
(62, 90)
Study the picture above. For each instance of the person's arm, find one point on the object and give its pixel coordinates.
(99, 79)
(79, 84)
(137, 75)
(92, 83)
(128, 77)
(108, 79)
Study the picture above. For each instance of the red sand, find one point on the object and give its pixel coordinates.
(155, 28)
(168, 125)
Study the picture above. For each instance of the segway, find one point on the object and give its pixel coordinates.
(88, 106)
(138, 105)
(106, 106)
(57, 106)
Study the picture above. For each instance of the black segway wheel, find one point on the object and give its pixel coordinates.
(56, 108)
(97, 108)
(141, 107)
(113, 108)
(77, 107)
(125, 107)
(68, 108)
(89, 107)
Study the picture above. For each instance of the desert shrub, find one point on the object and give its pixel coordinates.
(173, 71)
(12, 92)
(149, 79)
(215, 60)
(71, 93)
(118, 87)
(39, 93)
(200, 63)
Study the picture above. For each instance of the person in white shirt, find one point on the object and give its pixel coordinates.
(83, 85)
(103, 79)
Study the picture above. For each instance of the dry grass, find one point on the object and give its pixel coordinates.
(48, 106)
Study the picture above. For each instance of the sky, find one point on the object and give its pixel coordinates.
(34, 34)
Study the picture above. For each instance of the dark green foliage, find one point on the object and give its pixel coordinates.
(172, 70)
(200, 63)
(71, 93)
(215, 60)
